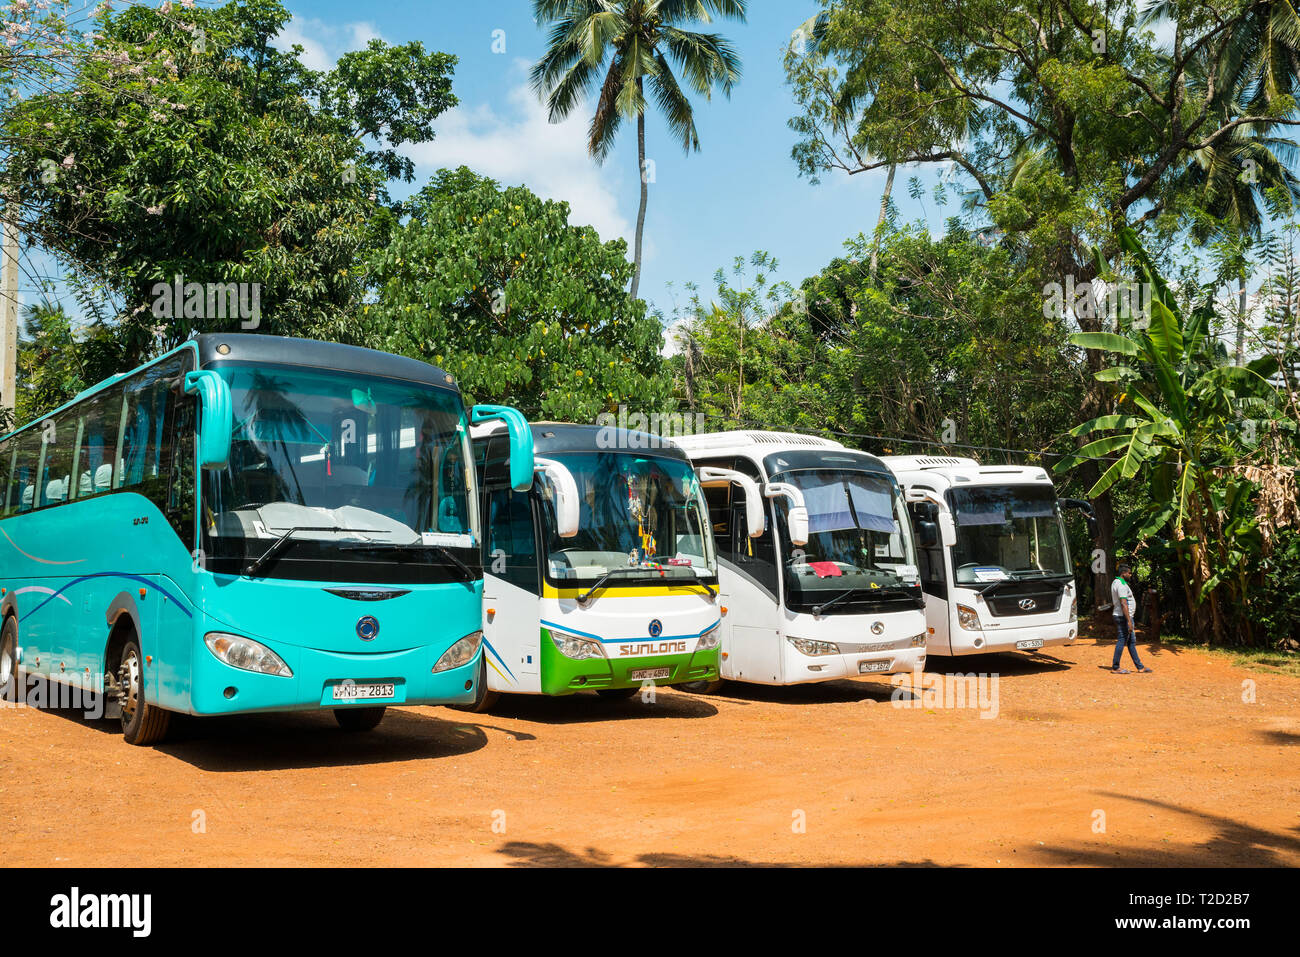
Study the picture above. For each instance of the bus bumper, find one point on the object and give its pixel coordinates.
(801, 668)
(1014, 639)
(562, 675)
(217, 688)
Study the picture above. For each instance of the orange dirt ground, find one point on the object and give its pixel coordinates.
(1078, 767)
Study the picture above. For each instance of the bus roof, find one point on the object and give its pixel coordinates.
(947, 472)
(555, 438)
(278, 350)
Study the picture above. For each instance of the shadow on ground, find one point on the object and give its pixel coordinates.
(526, 854)
(276, 742)
(1235, 844)
(588, 707)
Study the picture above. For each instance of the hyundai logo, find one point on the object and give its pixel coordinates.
(656, 628)
(1027, 604)
(368, 628)
(877, 627)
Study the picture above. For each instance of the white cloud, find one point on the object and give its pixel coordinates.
(522, 147)
(322, 43)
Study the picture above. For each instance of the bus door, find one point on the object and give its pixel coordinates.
(511, 593)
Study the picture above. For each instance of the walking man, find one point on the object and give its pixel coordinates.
(1123, 607)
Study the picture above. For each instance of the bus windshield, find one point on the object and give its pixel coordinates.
(349, 470)
(642, 513)
(859, 540)
(1007, 532)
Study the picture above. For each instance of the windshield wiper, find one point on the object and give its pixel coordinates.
(585, 598)
(447, 553)
(869, 594)
(818, 609)
(281, 543)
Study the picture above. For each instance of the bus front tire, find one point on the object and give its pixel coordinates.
(9, 660)
(142, 723)
(702, 687)
(359, 719)
(617, 694)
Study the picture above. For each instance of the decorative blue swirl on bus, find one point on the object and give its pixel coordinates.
(138, 578)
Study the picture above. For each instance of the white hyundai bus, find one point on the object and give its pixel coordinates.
(826, 584)
(997, 575)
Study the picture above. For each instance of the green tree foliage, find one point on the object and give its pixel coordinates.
(946, 345)
(498, 288)
(1188, 417)
(56, 361)
(189, 146)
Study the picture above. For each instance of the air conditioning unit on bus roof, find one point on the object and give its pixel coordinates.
(906, 463)
(717, 440)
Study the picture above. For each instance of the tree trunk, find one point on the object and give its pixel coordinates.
(640, 213)
(880, 220)
(1241, 322)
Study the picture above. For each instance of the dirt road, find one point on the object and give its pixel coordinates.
(1078, 766)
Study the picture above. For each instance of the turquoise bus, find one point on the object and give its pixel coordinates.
(250, 524)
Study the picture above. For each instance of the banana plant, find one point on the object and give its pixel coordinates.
(1182, 416)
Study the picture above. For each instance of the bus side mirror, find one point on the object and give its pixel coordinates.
(566, 496)
(947, 530)
(521, 441)
(927, 534)
(755, 518)
(216, 423)
(797, 516)
(1089, 516)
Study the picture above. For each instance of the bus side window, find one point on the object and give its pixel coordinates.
(182, 472)
(7, 450)
(99, 427)
(510, 539)
(718, 499)
(60, 435)
(146, 443)
(22, 484)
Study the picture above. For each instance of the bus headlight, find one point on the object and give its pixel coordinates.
(461, 653)
(968, 618)
(571, 646)
(1074, 609)
(918, 641)
(814, 648)
(246, 654)
(709, 640)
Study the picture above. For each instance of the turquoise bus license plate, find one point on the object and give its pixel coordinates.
(869, 667)
(351, 691)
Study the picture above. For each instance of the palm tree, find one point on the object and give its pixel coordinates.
(1229, 177)
(638, 38)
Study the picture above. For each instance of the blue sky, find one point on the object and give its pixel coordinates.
(740, 193)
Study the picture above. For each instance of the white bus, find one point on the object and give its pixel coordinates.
(826, 585)
(998, 575)
(600, 577)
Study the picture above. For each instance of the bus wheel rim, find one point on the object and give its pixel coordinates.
(6, 665)
(131, 685)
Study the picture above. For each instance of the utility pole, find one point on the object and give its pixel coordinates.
(9, 309)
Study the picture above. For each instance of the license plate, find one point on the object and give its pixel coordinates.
(868, 667)
(644, 674)
(1030, 643)
(362, 692)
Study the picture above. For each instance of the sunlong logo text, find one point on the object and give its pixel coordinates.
(652, 648)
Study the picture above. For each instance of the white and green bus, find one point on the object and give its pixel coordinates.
(600, 577)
